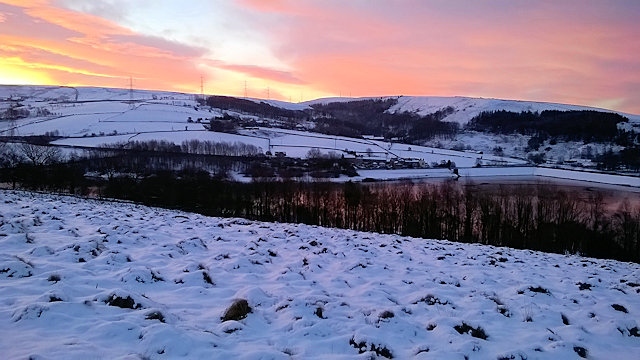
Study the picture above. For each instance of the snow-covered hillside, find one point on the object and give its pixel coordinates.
(465, 108)
(91, 117)
(88, 279)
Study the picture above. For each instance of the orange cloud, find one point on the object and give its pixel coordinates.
(571, 51)
(66, 47)
(264, 73)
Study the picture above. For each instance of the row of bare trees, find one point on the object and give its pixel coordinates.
(538, 217)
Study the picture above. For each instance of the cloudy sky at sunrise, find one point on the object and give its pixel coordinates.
(583, 52)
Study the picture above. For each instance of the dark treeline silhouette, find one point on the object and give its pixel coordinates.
(585, 125)
(371, 117)
(626, 159)
(252, 107)
(542, 217)
(538, 217)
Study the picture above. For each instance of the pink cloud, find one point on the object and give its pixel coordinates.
(571, 51)
(264, 73)
(566, 52)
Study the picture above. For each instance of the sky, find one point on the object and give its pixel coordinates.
(583, 52)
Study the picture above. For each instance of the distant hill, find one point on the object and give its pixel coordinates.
(452, 123)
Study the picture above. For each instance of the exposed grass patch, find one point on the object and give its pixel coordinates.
(431, 300)
(619, 307)
(379, 350)
(238, 310)
(207, 278)
(582, 352)
(565, 319)
(584, 286)
(538, 289)
(155, 315)
(124, 303)
(476, 332)
(386, 315)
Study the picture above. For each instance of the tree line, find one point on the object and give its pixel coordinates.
(538, 217)
(372, 117)
(578, 125)
(191, 146)
(541, 217)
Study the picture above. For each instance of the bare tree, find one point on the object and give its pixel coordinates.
(41, 155)
(9, 156)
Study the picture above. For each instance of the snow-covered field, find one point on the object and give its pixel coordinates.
(89, 279)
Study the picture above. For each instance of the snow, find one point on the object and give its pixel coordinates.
(466, 108)
(55, 305)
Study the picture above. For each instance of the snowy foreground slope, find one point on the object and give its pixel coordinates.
(86, 279)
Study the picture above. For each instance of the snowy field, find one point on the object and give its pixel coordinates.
(99, 116)
(86, 279)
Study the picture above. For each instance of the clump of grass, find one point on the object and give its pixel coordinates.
(379, 350)
(431, 300)
(155, 315)
(619, 307)
(582, 352)
(124, 303)
(538, 289)
(584, 286)
(386, 315)
(207, 278)
(476, 332)
(565, 319)
(54, 278)
(238, 310)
